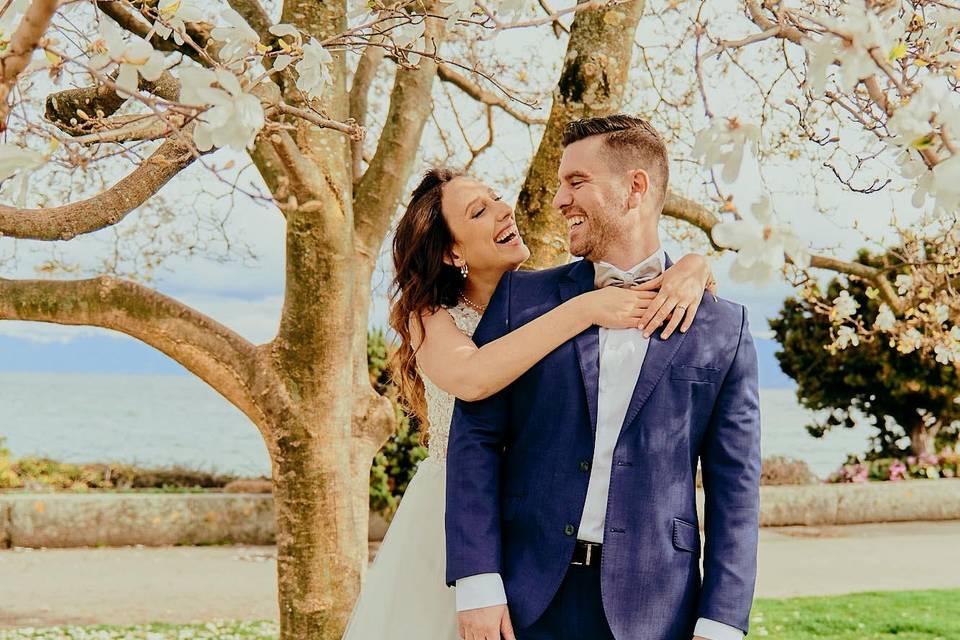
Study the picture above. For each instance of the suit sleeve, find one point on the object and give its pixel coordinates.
(730, 462)
(477, 435)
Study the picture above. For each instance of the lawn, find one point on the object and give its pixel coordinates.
(872, 615)
(879, 615)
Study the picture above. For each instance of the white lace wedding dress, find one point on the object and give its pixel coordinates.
(405, 595)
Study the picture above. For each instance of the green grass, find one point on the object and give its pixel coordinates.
(874, 615)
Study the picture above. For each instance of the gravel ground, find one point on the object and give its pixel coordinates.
(128, 585)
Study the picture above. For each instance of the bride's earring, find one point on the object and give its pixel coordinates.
(464, 269)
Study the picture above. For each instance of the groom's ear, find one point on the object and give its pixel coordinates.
(639, 188)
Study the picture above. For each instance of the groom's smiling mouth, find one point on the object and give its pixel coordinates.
(575, 221)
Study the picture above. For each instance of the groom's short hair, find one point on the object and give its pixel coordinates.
(632, 143)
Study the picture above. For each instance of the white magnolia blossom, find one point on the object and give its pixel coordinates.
(457, 10)
(284, 59)
(865, 30)
(18, 162)
(885, 321)
(844, 306)
(847, 336)
(240, 39)
(911, 123)
(234, 117)
(135, 56)
(176, 13)
(313, 69)
(724, 143)
(914, 169)
(761, 244)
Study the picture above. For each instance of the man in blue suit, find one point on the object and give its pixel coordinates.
(571, 509)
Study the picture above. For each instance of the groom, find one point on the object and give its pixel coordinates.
(571, 510)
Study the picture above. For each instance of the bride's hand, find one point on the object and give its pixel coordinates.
(681, 290)
(616, 307)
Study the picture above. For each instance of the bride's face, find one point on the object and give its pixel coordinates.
(484, 230)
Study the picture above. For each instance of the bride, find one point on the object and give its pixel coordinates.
(452, 245)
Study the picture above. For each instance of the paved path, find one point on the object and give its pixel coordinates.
(181, 584)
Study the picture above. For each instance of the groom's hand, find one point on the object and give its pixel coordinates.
(488, 623)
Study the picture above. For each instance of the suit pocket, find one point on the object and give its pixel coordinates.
(686, 536)
(696, 374)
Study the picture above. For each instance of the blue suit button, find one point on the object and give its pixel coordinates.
(569, 529)
(584, 466)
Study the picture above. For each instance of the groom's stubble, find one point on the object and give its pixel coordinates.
(609, 223)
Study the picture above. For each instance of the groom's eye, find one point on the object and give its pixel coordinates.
(479, 213)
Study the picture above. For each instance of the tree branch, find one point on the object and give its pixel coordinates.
(104, 209)
(682, 208)
(478, 93)
(363, 78)
(29, 32)
(214, 353)
(380, 189)
(101, 100)
(198, 32)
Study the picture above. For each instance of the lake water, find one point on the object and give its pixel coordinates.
(155, 420)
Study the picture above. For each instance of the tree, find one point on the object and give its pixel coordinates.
(296, 88)
(910, 397)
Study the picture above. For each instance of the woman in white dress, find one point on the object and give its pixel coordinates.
(452, 245)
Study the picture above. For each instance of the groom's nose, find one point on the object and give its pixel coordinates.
(563, 198)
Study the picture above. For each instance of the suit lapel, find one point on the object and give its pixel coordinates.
(659, 354)
(579, 280)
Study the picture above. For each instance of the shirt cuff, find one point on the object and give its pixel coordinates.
(713, 630)
(481, 590)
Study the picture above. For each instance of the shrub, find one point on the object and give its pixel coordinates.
(779, 470)
(942, 465)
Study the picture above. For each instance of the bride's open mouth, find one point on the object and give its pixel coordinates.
(510, 235)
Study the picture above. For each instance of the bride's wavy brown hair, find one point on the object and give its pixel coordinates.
(422, 283)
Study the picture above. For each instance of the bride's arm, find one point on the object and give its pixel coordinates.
(454, 363)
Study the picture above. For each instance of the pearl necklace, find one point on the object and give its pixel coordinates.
(473, 305)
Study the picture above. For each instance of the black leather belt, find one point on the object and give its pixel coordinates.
(586, 553)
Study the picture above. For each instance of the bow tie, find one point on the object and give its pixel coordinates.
(606, 275)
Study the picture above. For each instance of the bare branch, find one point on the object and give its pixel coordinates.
(355, 132)
(104, 209)
(213, 352)
(478, 93)
(17, 56)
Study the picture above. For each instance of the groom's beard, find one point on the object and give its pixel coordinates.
(597, 234)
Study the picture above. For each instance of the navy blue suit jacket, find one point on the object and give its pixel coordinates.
(517, 482)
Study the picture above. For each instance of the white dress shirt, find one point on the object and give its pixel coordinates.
(621, 355)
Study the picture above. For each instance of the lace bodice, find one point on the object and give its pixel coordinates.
(439, 402)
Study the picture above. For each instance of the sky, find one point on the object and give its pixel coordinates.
(246, 295)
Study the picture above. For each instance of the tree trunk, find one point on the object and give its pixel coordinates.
(923, 438)
(592, 83)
